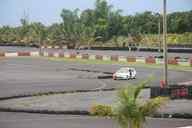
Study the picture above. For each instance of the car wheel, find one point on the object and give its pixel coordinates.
(114, 78)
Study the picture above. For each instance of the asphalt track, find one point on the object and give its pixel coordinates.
(30, 75)
(24, 120)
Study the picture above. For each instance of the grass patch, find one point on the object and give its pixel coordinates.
(134, 64)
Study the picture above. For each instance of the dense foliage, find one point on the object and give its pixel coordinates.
(101, 25)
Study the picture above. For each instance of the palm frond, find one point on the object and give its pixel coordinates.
(125, 94)
(153, 105)
(130, 112)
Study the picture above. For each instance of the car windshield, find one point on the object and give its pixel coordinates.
(123, 71)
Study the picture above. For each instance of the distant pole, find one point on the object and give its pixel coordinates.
(40, 46)
(159, 32)
(165, 41)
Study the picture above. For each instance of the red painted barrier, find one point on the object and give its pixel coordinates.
(131, 59)
(162, 83)
(23, 53)
(172, 61)
(99, 57)
(50, 54)
(73, 55)
(61, 54)
(114, 58)
(150, 60)
(190, 61)
(85, 56)
(2, 54)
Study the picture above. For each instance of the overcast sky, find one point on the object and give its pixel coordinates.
(48, 11)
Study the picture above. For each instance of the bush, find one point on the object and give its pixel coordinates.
(101, 110)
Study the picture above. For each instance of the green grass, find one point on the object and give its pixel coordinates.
(134, 64)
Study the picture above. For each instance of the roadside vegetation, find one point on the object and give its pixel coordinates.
(130, 111)
(101, 26)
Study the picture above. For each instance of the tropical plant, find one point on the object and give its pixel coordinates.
(39, 32)
(103, 25)
(131, 111)
(101, 110)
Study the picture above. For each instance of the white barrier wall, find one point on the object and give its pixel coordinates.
(106, 58)
(57, 47)
(140, 59)
(11, 54)
(79, 56)
(34, 53)
(49, 46)
(56, 54)
(92, 57)
(122, 59)
(159, 61)
(67, 55)
(45, 54)
(184, 62)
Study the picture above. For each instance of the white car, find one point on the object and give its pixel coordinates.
(125, 73)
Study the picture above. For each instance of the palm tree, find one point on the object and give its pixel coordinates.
(130, 112)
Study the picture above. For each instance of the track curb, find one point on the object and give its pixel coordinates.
(87, 113)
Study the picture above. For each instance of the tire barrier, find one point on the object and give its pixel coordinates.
(115, 58)
(174, 92)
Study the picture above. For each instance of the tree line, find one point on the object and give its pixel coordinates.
(102, 25)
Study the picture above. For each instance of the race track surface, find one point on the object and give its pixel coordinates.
(31, 75)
